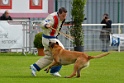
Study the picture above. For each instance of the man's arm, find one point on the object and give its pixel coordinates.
(1, 18)
(10, 18)
(108, 23)
(48, 22)
(103, 21)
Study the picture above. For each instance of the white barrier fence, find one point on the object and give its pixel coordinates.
(13, 35)
(117, 40)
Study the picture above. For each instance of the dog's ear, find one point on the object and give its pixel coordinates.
(57, 43)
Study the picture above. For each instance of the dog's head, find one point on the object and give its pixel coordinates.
(52, 45)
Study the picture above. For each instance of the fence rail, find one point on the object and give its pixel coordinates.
(116, 27)
(30, 28)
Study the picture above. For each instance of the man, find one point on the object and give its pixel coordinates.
(6, 16)
(105, 33)
(54, 20)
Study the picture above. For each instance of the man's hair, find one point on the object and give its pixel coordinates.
(6, 12)
(62, 9)
(106, 14)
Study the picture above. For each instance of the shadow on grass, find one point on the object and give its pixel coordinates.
(36, 77)
(16, 54)
(27, 77)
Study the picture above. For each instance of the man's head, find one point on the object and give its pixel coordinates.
(6, 13)
(62, 13)
(105, 16)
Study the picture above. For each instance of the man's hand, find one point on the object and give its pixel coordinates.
(48, 26)
(107, 20)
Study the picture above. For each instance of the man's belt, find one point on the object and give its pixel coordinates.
(48, 37)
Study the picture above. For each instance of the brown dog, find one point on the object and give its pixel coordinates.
(65, 57)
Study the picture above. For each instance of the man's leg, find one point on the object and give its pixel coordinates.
(106, 42)
(103, 45)
(107, 45)
(42, 62)
(55, 69)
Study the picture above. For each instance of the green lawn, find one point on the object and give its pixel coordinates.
(14, 68)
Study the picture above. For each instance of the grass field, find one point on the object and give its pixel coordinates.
(14, 68)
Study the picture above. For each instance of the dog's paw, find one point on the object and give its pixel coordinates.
(77, 76)
(47, 70)
(67, 77)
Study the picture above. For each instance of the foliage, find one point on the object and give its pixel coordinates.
(77, 13)
(38, 40)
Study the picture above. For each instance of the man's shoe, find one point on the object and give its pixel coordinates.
(106, 51)
(33, 70)
(56, 74)
(103, 50)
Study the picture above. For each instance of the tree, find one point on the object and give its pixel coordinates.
(77, 13)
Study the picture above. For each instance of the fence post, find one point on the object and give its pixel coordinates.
(119, 32)
(56, 5)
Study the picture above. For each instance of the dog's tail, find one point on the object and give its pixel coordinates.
(98, 56)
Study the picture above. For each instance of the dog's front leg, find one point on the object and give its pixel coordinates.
(50, 66)
(56, 59)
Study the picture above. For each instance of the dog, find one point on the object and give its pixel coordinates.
(66, 57)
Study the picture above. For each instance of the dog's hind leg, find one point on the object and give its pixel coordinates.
(78, 72)
(74, 72)
(83, 67)
(76, 68)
